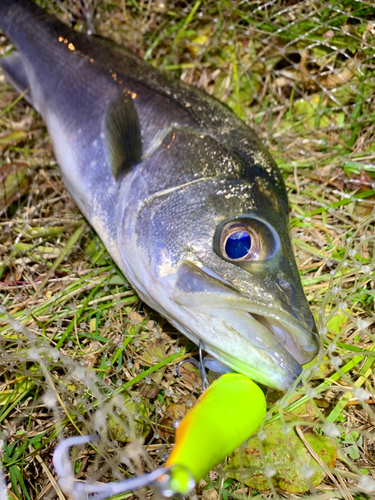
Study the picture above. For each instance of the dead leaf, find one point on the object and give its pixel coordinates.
(210, 494)
(174, 412)
(135, 317)
(119, 427)
(190, 377)
(149, 390)
(154, 353)
(333, 80)
(287, 457)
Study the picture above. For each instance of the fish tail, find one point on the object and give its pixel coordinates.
(22, 21)
(33, 32)
(14, 13)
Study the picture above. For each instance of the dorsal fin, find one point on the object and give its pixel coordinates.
(122, 134)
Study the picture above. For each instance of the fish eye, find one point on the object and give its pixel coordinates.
(239, 242)
(244, 240)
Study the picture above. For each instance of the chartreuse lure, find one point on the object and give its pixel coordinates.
(227, 413)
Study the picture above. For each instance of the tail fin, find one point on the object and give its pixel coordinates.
(24, 22)
(12, 12)
(35, 35)
(15, 70)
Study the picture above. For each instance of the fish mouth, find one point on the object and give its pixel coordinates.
(261, 341)
(289, 336)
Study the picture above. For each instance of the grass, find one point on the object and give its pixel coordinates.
(78, 339)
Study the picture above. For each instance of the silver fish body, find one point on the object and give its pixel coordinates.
(183, 194)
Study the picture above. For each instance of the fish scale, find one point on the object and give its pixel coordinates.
(166, 174)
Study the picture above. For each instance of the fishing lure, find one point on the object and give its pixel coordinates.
(227, 413)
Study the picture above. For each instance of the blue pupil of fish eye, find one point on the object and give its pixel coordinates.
(238, 244)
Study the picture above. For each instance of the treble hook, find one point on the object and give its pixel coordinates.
(79, 490)
(204, 363)
(199, 365)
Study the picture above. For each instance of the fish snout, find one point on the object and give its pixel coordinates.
(290, 298)
(294, 298)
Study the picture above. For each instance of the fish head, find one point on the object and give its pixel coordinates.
(222, 270)
(244, 272)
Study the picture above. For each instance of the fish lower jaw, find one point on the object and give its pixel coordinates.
(264, 375)
(286, 338)
(267, 329)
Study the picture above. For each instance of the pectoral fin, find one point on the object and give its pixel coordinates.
(123, 135)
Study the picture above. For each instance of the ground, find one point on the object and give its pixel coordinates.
(302, 75)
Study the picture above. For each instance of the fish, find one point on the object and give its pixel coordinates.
(185, 197)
